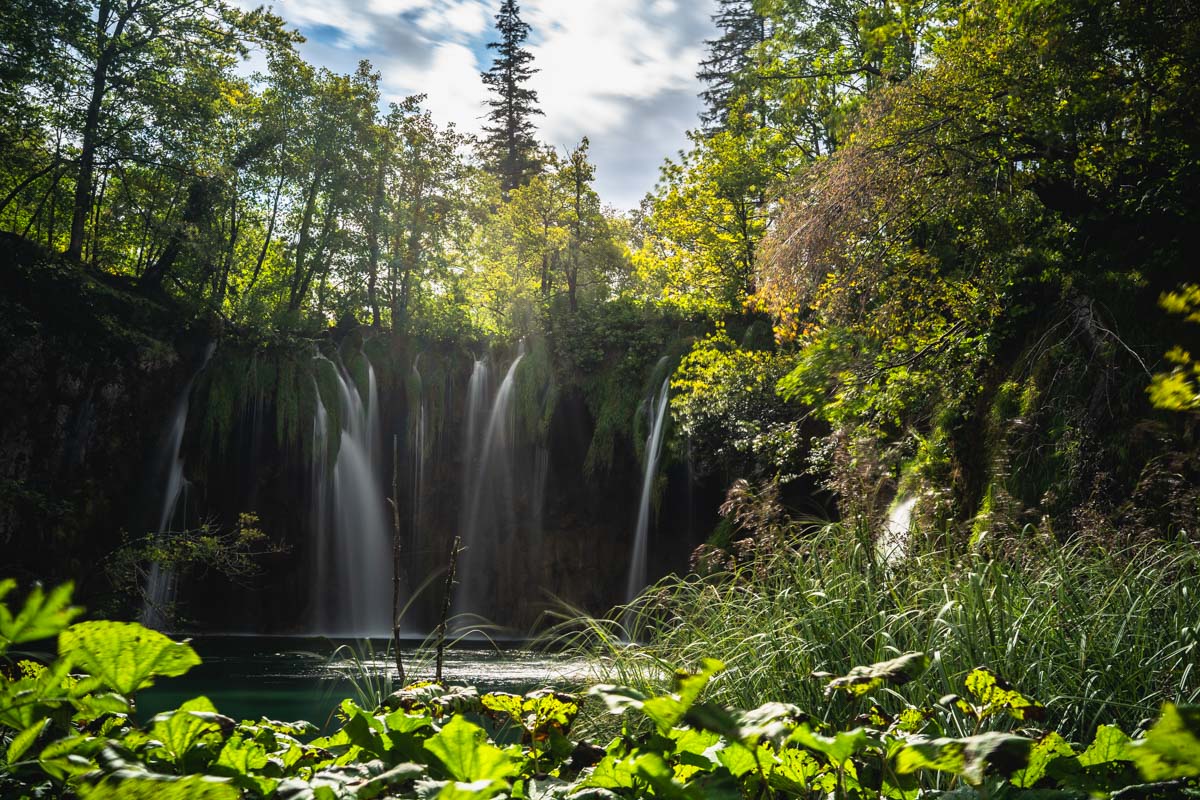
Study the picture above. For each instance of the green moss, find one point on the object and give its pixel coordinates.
(536, 393)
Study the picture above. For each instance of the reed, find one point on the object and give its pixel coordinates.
(1100, 636)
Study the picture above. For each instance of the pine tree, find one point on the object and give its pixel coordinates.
(509, 137)
(728, 70)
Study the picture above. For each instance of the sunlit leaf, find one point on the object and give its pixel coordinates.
(895, 672)
(125, 656)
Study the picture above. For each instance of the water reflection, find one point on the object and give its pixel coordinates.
(301, 678)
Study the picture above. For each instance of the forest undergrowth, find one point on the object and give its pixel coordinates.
(1103, 636)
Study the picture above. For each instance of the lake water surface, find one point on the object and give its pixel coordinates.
(292, 678)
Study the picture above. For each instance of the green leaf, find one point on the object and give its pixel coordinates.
(180, 730)
(42, 616)
(994, 694)
(1110, 744)
(838, 748)
(611, 773)
(403, 722)
(396, 776)
(70, 756)
(241, 756)
(1047, 749)
(125, 656)
(897, 671)
(464, 751)
(503, 703)
(139, 784)
(971, 757)
(795, 770)
(25, 739)
(737, 758)
(1170, 749)
(93, 706)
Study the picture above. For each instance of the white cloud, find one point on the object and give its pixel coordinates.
(595, 56)
(451, 81)
(621, 72)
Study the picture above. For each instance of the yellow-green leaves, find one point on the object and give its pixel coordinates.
(463, 750)
(1179, 389)
(993, 695)
(124, 656)
(181, 730)
(43, 615)
(896, 672)
(1171, 748)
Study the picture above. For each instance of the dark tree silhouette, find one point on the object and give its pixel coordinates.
(730, 60)
(509, 140)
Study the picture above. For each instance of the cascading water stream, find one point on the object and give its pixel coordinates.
(353, 567)
(417, 442)
(490, 516)
(657, 411)
(160, 580)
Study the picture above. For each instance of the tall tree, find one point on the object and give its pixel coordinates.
(509, 139)
(729, 72)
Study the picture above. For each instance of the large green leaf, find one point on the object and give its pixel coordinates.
(837, 748)
(971, 757)
(182, 729)
(897, 671)
(1171, 749)
(124, 656)
(42, 616)
(464, 751)
(1050, 747)
(994, 694)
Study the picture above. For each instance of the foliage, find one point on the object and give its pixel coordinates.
(1104, 635)
(724, 402)
(234, 552)
(1179, 389)
(76, 734)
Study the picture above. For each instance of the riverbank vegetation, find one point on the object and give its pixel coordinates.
(71, 731)
(925, 270)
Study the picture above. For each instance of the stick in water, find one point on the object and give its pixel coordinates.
(441, 636)
(396, 564)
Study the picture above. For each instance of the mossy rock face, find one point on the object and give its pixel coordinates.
(85, 364)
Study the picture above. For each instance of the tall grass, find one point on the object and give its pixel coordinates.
(1099, 636)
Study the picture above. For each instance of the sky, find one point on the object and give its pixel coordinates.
(621, 72)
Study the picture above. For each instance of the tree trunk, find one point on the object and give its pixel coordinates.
(373, 243)
(302, 245)
(91, 126)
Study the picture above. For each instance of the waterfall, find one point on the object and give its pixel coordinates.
(319, 501)
(478, 390)
(489, 516)
(159, 594)
(894, 537)
(353, 564)
(657, 411)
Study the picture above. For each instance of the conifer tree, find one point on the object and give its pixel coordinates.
(509, 138)
(729, 66)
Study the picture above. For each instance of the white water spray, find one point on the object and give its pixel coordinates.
(161, 585)
(657, 411)
(353, 565)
